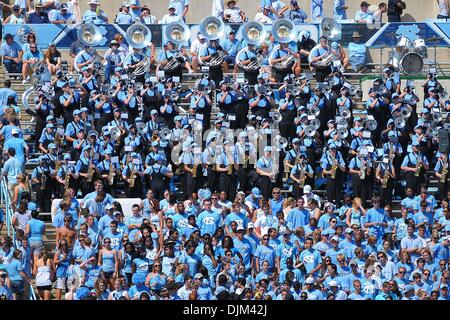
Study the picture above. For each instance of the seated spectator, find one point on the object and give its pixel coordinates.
(378, 14)
(181, 7)
(233, 14)
(62, 16)
(29, 60)
(357, 52)
(395, 10)
(53, 59)
(16, 16)
(12, 54)
(31, 38)
(364, 15)
(124, 16)
(232, 46)
(295, 14)
(114, 58)
(146, 16)
(24, 6)
(195, 46)
(171, 16)
(94, 14)
(38, 16)
(263, 17)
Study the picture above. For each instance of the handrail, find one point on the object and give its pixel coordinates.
(32, 293)
(8, 208)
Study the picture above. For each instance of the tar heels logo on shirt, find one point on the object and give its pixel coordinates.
(208, 220)
(287, 251)
(308, 259)
(143, 266)
(182, 223)
(369, 289)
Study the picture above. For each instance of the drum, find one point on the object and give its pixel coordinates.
(420, 47)
(394, 59)
(403, 45)
(412, 63)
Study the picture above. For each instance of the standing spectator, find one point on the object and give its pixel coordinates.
(339, 10)
(16, 16)
(233, 14)
(11, 53)
(94, 14)
(364, 15)
(217, 8)
(4, 288)
(443, 9)
(5, 5)
(395, 10)
(295, 14)
(18, 144)
(357, 52)
(137, 8)
(38, 16)
(181, 7)
(124, 16)
(11, 169)
(316, 9)
(74, 8)
(5, 93)
(171, 16)
(263, 17)
(147, 18)
(277, 9)
(378, 15)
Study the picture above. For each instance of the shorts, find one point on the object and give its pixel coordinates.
(44, 288)
(61, 283)
(107, 275)
(17, 286)
(36, 246)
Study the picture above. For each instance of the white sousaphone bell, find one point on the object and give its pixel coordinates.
(283, 31)
(138, 35)
(212, 28)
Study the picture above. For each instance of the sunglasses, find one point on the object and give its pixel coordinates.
(265, 239)
(157, 265)
(402, 272)
(107, 242)
(275, 193)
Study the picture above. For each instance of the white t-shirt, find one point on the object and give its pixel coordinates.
(195, 46)
(235, 15)
(169, 19)
(260, 17)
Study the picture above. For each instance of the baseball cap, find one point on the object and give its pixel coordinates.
(256, 192)
(309, 280)
(109, 206)
(16, 7)
(198, 276)
(333, 283)
(14, 131)
(307, 189)
(250, 225)
(76, 112)
(364, 4)
(66, 156)
(335, 238)
(239, 228)
(348, 230)
(266, 7)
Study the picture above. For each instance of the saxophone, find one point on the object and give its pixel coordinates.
(132, 178)
(362, 173)
(111, 175)
(43, 181)
(302, 176)
(418, 166)
(444, 171)
(90, 173)
(194, 171)
(334, 168)
(385, 180)
(230, 169)
(59, 140)
(246, 161)
(66, 181)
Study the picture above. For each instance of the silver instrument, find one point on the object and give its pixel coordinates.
(254, 65)
(283, 31)
(165, 133)
(342, 133)
(142, 128)
(345, 113)
(212, 28)
(115, 133)
(406, 111)
(253, 32)
(90, 35)
(276, 117)
(142, 67)
(138, 36)
(331, 29)
(399, 122)
(314, 111)
(177, 32)
(371, 125)
(310, 131)
(315, 123)
(281, 142)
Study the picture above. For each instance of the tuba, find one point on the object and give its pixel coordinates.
(345, 113)
(212, 28)
(284, 32)
(281, 142)
(165, 134)
(138, 36)
(276, 117)
(176, 32)
(90, 35)
(331, 29)
(255, 63)
(399, 122)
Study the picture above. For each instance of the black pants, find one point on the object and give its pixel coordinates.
(44, 197)
(414, 182)
(86, 186)
(252, 77)
(394, 18)
(136, 191)
(361, 187)
(216, 75)
(386, 193)
(334, 188)
(443, 188)
(322, 73)
(262, 112)
(212, 178)
(265, 185)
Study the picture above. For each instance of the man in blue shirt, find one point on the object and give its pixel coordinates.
(62, 16)
(357, 52)
(19, 146)
(299, 216)
(93, 14)
(339, 8)
(124, 17)
(38, 16)
(363, 15)
(11, 168)
(12, 54)
(5, 93)
(208, 220)
(295, 14)
(181, 7)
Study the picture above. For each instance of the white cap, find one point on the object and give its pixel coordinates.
(335, 238)
(307, 189)
(333, 283)
(239, 291)
(198, 276)
(239, 228)
(14, 131)
(250, 225)
(309, 280)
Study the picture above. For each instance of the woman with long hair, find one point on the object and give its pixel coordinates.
(21, 216)
(119, 292)
(53, 59)
(101, 289)
(108, 260)
(288, 205)
(44, 270)
(61, 260)
(156, 279)
(355, 213)
(31, 39)
(21, 191)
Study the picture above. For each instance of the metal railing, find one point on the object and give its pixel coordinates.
(6, 200)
